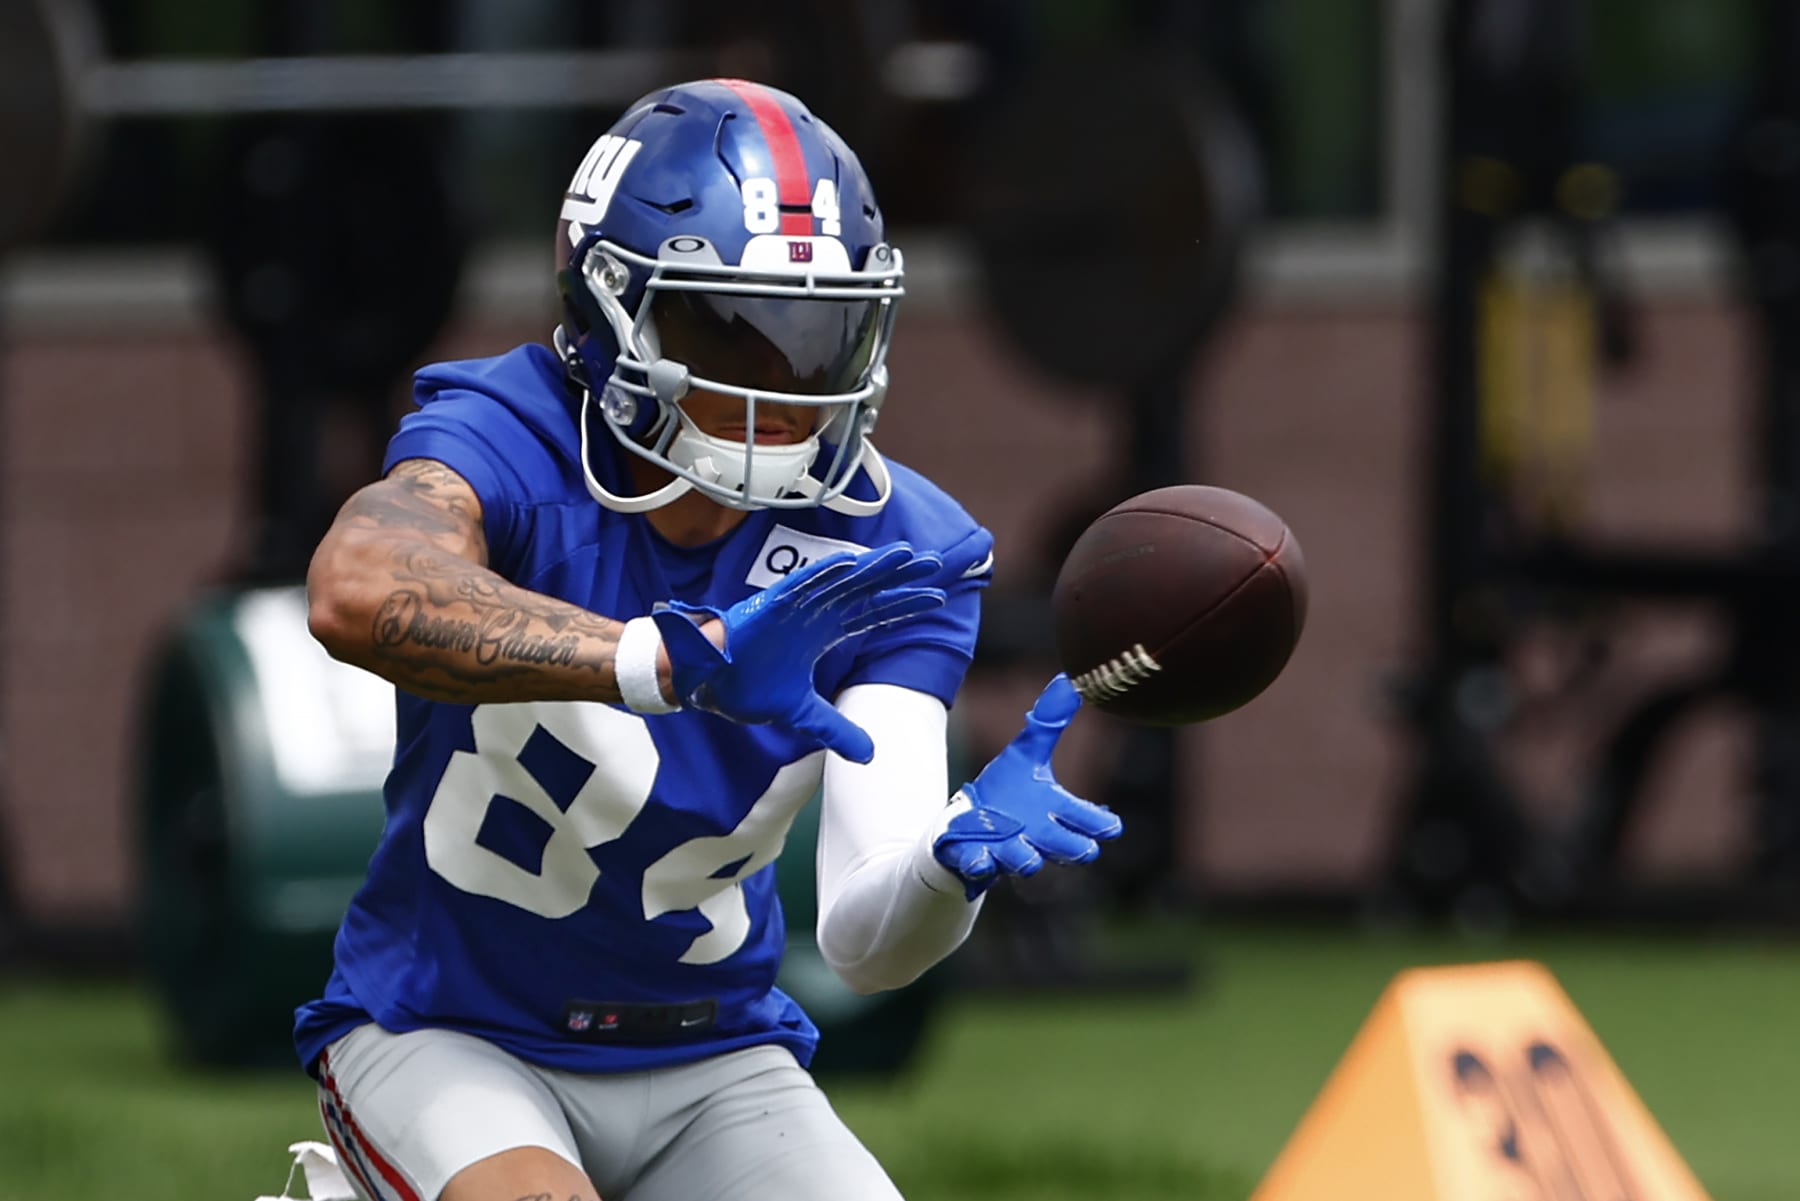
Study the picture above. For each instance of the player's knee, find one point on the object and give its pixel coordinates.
(521, 1174)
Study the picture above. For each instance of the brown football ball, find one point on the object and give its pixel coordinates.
(1179, 604)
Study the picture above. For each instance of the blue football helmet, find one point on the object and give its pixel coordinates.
(719, 237)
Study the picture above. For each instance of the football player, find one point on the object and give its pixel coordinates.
(643, 592)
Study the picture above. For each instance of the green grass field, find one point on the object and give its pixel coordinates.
(1131, 1098)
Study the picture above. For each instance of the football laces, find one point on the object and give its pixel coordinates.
(1117, 675)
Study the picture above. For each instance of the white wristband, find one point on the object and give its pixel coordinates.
(634, 667)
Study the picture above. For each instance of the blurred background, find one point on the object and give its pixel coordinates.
(1491, 300)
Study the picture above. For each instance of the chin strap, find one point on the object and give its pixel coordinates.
(774, 471)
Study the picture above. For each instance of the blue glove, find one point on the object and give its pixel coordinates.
(773, 638)
(1015, 815)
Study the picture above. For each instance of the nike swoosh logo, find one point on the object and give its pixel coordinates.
(981, 568)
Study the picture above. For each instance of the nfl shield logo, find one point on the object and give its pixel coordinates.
(799, 252)
(580, 1019)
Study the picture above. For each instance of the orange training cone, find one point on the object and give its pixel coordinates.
(1478, 1083)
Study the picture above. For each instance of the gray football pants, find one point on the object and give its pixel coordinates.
(408, 1111)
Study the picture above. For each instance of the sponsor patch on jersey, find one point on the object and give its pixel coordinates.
(786, 550)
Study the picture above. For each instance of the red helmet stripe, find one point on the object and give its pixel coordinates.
(792, 187)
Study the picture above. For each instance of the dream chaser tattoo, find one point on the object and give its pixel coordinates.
(499, 636)
(443, 599)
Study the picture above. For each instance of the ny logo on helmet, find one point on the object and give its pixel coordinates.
(591, 191)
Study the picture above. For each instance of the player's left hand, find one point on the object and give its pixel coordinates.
(773, 638)
(1014, 815)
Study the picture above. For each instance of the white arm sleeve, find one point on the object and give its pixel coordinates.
(887, 909)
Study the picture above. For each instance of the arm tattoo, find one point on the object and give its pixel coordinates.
(451, 628)
(501, 634)
(421, 497)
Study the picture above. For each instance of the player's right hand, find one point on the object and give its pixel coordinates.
(773, 638)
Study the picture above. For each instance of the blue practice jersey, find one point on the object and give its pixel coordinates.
(542, 862)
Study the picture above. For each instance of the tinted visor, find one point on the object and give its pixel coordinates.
(767, 343)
